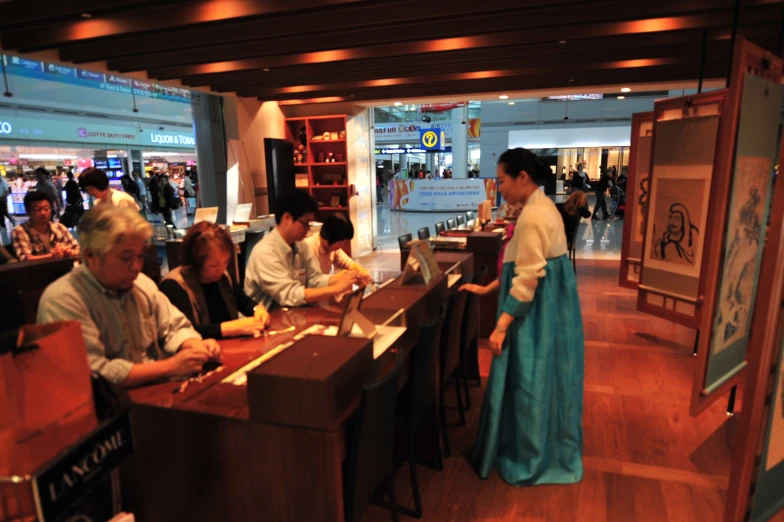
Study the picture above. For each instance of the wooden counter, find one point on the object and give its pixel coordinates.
(199, 455)
(486, 249)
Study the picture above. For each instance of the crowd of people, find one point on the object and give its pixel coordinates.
(609, 181)
(128, 321)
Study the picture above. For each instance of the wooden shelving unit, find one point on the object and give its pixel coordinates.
(326, 180)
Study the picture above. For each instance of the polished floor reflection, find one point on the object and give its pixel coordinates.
(599, 239)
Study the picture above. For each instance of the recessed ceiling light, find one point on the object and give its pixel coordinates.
(561, 41)
(86, 16)
(397, 104)
(626, 89)
(503, 97)
(511, 103)
(571, 79)
(621, 97)
(266, 69)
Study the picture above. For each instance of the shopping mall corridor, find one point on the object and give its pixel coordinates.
(646, 459)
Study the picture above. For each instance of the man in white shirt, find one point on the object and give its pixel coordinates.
(282, 270)
(335, 235)
(96, 183)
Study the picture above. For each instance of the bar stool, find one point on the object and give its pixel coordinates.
(451, 223)
(370, 460)
(440, 228)
(461, 220)
(470, 215)
(450, 360)
(424, 233)
(403, 240)
(417, 400)
(469, 339)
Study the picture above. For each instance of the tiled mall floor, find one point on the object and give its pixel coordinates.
(595, 239)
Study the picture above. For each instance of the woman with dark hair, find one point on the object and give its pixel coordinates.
(531, 424)
(203, 290)
(572, 210)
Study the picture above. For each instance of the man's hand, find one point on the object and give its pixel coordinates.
(364, 276)
(208, 346)
(344, 281)
(188, 361)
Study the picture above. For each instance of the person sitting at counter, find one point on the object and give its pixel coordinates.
(203, 290)
(280, 270)
(96, 183)
(39, 237)
(132, 333)
(335, 235)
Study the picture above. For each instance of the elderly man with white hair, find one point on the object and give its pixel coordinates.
(133, 334)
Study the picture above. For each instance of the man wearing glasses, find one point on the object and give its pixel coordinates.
(39, 238)
(132, 333)
(280, 270)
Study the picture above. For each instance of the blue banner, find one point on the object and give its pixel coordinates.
(18, 66)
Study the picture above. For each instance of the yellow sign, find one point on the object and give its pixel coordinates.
(430, 139)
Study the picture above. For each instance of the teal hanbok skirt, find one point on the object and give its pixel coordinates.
(531, 424)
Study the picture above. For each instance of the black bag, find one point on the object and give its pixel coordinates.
(71, 216)
(176, 203)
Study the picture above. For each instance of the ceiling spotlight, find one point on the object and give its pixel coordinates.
(511, 103)
(621, 97)
(571, 79)
(266, 69)
(626, 89)
(86, 16)
(503, 97)
(397, 104)
(561, 41)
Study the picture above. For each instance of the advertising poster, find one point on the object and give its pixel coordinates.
(677, 217)
(431, 195)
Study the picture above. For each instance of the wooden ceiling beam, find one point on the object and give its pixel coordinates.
(513, 84)
(339, 18)
(166, 15)
(716, 50)
(20, 13)
(591, 68)
(757, 15)
(442, 23)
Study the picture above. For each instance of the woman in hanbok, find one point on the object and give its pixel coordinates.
(531, 423)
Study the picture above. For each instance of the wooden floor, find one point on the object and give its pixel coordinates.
(645, 457)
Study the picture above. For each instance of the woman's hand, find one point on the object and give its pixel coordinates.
(497, 341)
(475, 289)
(248, 326)
(262, 315)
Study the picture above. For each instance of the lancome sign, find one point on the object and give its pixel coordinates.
(76, 471)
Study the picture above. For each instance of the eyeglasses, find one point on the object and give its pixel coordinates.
(305, 223)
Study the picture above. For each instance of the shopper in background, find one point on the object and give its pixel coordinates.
(329, 244)
(279, 271)
(601, 203)
(202, 289)
(47, 187)
(580, 179)
(152, 190)
(74, 203)
(530, 428)
(130, 187)
(138, 179)
(575, 208)
(39, 237)
(96, 183)
(5, 191)
(167, 199)
(133, 334)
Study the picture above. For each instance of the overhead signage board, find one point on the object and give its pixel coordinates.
(18, 66)
(432, 139)
(409, 150)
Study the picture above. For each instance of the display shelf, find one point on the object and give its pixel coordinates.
(338, 163)
(329, 186)
(316, 142)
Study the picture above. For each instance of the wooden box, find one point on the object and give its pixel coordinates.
(484, 242)
(312, 384)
